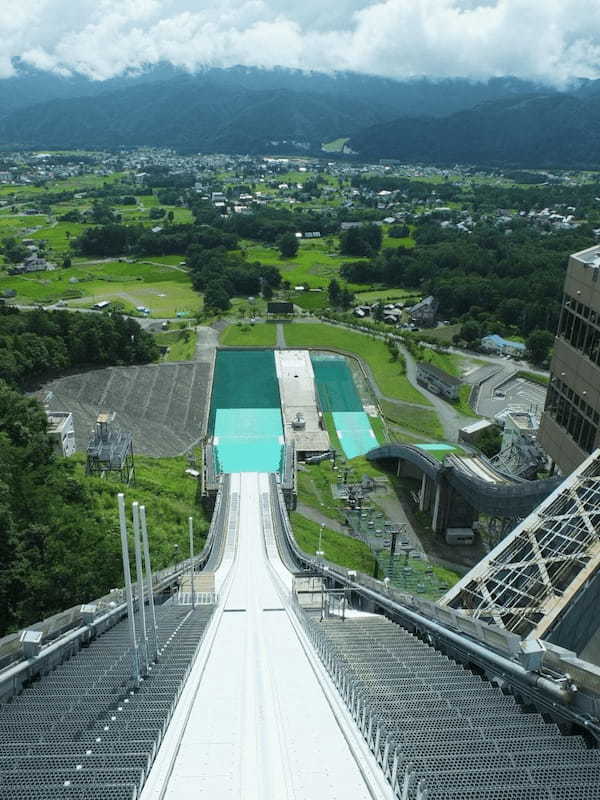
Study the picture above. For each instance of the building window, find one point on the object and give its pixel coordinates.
(580, 327)
(573, 414)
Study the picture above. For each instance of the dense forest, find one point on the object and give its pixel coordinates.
(39, 343)
(542, 130)
(515, 281)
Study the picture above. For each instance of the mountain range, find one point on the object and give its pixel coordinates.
(251, 110)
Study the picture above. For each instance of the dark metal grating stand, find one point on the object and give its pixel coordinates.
(84, 731)
(441, 732)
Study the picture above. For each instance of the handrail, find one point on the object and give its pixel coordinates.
(76, 631)
(495, 650)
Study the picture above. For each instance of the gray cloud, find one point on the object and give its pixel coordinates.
(552, 41)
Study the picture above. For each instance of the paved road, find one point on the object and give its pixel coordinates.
(451, 419)
(506, 362)
(206, 343)
(280, 335)
(506, 389)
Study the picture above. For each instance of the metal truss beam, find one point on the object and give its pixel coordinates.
(526, 581)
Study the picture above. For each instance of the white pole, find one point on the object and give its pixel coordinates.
(148, 566)
(140, 584)
(135, 661)
(191, 524)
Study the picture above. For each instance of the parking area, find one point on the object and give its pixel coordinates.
(498, 393)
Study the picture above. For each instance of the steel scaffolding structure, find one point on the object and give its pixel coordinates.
(110, 450)
(525, 583)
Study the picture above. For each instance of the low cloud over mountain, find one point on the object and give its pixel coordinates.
(551, 41)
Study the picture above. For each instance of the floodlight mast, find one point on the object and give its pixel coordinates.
(140, 584)
(135, 660)
(148, 566)
(191, 526)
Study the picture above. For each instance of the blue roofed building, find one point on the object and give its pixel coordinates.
(497, 344)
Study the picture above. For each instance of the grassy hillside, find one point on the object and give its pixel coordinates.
(389, 374)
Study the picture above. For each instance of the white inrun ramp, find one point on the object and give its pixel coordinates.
(254, 722)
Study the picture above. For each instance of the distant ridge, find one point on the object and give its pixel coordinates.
(251, 110)
(557, 130)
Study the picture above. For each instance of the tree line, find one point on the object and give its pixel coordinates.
(499, 281)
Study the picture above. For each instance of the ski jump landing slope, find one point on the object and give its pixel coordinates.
(258, 718)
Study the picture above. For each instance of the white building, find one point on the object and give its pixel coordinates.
(61, 432)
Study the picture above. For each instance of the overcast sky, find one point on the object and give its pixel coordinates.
(548, 40)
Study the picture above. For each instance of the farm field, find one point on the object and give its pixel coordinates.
(76, 183)
(159, 287)
(389, 374)
(173, 261)
(57, 236)
(386, 295)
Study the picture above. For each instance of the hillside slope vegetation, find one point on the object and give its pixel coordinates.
(228, 110)
(556, 130)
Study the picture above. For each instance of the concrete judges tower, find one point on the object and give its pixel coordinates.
(110, 450)
(570, 427)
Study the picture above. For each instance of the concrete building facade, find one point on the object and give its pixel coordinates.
(437, 381)
(61, 432)
(570, 426)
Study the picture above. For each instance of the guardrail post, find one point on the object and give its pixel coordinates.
(135, 661)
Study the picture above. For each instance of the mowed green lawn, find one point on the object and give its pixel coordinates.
(389, 374)
(418, 420)
(262, 334)
(162, 289)
(315, 264)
